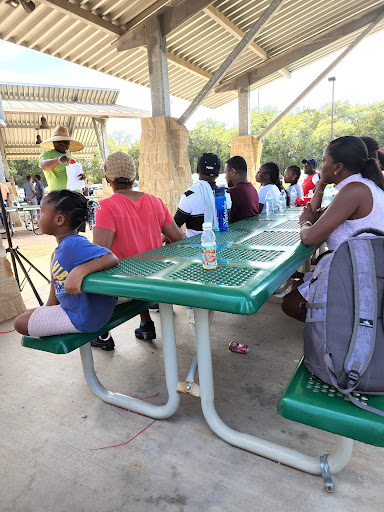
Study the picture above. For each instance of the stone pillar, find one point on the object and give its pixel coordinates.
(164, 166)
(250, 149)
(11, 302)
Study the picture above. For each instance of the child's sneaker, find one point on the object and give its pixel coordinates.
(146, 331)
(105, 342)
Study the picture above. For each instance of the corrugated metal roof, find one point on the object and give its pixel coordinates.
(196, 48)
(25, 104)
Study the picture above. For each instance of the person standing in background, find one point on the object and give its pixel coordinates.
(39, 188)
(29, 191)
(54, 162)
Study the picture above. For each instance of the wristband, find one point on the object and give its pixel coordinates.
(306, 223)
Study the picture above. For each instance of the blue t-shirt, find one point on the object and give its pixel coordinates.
(88, 311)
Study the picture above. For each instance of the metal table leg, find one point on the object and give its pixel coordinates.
(259, 446)
(171, 374)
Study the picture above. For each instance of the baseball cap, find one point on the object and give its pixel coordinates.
(309, 161)
(209, 164)
(120, 167)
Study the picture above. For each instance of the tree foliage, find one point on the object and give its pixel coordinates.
(301, 134)
(210, 136)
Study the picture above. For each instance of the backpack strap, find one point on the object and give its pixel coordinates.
(347, 392)
(365, 295)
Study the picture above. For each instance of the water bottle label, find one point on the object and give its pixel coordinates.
(209, 256)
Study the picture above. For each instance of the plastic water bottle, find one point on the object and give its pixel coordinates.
(190, 315)
(327, 196)
(292, 197)
(268, 204)
(282, 201)
(221, 209)
(208, 246)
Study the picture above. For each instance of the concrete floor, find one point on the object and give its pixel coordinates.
(51, 421)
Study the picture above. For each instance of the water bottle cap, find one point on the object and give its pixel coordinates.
(207, 225)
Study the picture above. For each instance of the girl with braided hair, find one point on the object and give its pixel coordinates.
(68, 309)
(292, 176)
(268, 176)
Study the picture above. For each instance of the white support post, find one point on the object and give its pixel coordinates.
(99, 139)
(158, 68)
(104, 136)
(243, 101)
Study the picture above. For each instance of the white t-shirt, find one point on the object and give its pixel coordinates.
(275, 193)
(298, 188)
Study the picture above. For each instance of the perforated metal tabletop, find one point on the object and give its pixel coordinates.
(255, 256)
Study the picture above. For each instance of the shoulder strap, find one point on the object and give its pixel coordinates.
(365, 295)
(347, 392)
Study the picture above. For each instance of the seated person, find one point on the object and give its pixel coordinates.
(310, 166)
(244, 196)
(130, 222)
(68, 309)
(292, 176)
(197, 204)
(372, 146)
(268, 176)
(359, 204)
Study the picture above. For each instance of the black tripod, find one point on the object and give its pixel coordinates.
(16, 257)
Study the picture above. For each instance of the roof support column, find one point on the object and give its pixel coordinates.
(243, 102)
(158, 68)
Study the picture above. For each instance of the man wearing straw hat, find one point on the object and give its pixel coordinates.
(54, 162)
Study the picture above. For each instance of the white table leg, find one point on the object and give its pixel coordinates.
(171, 374)
(274, 451)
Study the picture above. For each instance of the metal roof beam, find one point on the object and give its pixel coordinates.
(172, 18)
(33, 127)
(322, 75)
(227, 24)
(325, 38)
(83, 15)
(236, 52)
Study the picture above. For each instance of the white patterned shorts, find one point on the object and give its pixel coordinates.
(49, 321)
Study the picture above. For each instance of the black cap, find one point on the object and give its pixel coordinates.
(310, 161)
(209, 164)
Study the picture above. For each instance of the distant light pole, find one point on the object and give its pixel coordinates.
(332, 79)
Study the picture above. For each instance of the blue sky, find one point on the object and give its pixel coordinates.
(359, 79)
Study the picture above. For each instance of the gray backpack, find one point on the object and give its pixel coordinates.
(344, 332)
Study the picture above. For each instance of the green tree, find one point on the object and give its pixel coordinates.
(20, 169)
(210, 136)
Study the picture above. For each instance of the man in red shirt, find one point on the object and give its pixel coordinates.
(312, 178)
(244, 196)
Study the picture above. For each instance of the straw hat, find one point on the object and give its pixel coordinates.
(61, 133)
(120, 165)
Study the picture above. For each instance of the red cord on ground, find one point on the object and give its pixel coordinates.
(126, 442)
(5, 332)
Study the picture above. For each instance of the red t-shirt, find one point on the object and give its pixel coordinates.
(310, 182)
(137, 224)
(245, 201)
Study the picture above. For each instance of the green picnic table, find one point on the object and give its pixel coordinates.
(255, 256)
